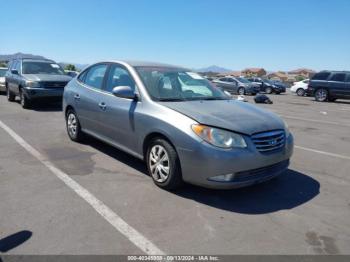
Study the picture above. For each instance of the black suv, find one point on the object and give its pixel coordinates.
(330, 85)
(33, 79)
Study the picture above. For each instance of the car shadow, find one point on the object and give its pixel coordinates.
(289, 190)
(47, 107)
(117, 154)
(14, 240)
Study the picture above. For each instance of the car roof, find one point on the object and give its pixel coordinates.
(334, 71)
(135, 63)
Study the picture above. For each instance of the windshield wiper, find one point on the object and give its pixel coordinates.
(212, 98)
(171, 99)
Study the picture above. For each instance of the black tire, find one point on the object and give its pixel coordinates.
(321, 95)
(174, 176)
(75, 135)
(25, 102)
(300, 92)
(278, 93)
(268, 90)
(241, 91)
(10, 96)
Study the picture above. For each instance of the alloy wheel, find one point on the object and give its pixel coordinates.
(159, 163)
(300, 92)
(321, 95)
(72, 124)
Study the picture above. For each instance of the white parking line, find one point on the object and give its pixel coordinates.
(117, 222)
(313, 120)
(323, 152)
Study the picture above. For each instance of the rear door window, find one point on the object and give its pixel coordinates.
(321, 76)
(339, 77)
(95, 75)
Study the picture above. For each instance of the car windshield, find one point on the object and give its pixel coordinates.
(42, 68)
(174, 84)
(243, 80)
(2, 72)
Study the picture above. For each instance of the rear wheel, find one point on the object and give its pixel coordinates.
(321, 95)
(300, 92)
(241, 91)
(10, 96)
(163, 164)
(25, 102)
(73, 126)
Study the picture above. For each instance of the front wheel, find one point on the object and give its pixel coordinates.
(25, 103)
(163, 164)
(73, 126)
(321, 95)
(10, 96)
(268, 90)
(300, 92)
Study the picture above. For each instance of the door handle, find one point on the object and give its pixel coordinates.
(77, 97)
(102, 105)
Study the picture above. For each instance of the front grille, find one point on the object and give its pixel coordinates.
(269, 141)
(54, 84)
(261, 173)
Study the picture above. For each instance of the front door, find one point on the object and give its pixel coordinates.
(117, 119)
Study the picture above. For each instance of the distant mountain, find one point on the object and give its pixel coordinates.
(78, 66)
(214, 68)
(19, 55)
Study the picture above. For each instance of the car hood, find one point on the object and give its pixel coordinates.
(2, 79)
(46, 77)
(233, 115)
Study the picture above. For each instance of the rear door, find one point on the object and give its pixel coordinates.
(11, 79)
(338, 85)
(87, 97)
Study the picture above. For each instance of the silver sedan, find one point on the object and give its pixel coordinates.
(182, 126)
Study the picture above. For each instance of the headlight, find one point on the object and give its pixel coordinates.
(286, 128)
(218, 137)
(32, 84)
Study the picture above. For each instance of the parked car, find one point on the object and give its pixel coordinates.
(266, 85)
(330, 85)
(300, 87)
(279, 84)
(2, 79)
(71, 73)
(34, 79)
(182, 126)
(236, 85)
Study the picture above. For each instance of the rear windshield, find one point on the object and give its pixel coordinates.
(42, 68)
(321, 76)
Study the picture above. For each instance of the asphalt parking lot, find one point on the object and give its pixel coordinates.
(305, 211)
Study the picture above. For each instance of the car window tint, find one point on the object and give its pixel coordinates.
(94, 77)
(321, 76)
(348, 78)
(13, 66)
(119, 76)
(338, 77)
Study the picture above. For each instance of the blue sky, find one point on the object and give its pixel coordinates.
(274, 34)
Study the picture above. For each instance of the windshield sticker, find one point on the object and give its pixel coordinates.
(194, 75)
(55, 66)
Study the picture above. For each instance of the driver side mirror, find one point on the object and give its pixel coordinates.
(14, 71)
(124, 92)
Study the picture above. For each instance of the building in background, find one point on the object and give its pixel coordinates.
(259, 72)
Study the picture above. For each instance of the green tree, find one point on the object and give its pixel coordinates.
(299, 78)
(70, 67)
(3, 64)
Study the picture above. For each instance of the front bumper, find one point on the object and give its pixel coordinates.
(38, 93)
(248, 165)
